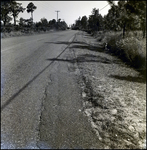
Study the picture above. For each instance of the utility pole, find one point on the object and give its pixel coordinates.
(57, 17)
(57, 14)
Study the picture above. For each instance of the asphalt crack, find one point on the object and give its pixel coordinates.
(40, 118)
(39, 143)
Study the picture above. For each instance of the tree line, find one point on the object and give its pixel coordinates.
(11, 9)
(126, 15)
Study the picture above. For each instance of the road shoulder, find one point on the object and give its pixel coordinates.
(114, 95)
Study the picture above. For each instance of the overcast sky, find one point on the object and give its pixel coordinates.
(69, 10)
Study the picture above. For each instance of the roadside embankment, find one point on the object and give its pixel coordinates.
(114, 95)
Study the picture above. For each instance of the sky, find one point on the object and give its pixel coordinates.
(69, 10)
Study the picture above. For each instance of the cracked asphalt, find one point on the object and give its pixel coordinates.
(41, 105)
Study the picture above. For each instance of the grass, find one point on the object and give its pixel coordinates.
(131, 49)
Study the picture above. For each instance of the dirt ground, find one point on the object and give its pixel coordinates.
(114, 95)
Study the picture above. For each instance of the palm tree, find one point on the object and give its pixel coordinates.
(30, 8)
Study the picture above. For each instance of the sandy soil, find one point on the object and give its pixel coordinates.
(114, 95)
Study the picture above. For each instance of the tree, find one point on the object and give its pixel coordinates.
(84, 22)
(94, 20)
(29, 22)
(59, 20)
(22, 22)
(111, 2)
(129, 15)
(52, 23)
(16, 8)
(111, 19)
(5, 13)
(138, 8)
(124, 18)
(44, 22)
(30, 8)
(38, 25)
(62, 25)
(78, 23)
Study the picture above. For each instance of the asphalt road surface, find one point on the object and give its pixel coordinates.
(40, 98)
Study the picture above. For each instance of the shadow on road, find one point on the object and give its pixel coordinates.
(86, 58)
(66, 42)
(28, 83)
(81, 45)
(89, 47)
(24, 87)
(129, 78)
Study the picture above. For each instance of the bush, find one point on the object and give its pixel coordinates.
(17, 28)
(6, 29)
(111, 40)
(88, 31)
(131, 49)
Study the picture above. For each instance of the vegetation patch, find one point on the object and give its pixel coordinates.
(131, 49)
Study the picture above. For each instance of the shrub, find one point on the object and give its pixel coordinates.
(111, 41)
(17, 28)
(131, 49)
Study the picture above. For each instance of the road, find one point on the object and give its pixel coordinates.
(41, 102)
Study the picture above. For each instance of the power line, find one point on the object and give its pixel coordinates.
(104, 7)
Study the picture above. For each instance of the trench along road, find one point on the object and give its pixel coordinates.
(41, 102)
